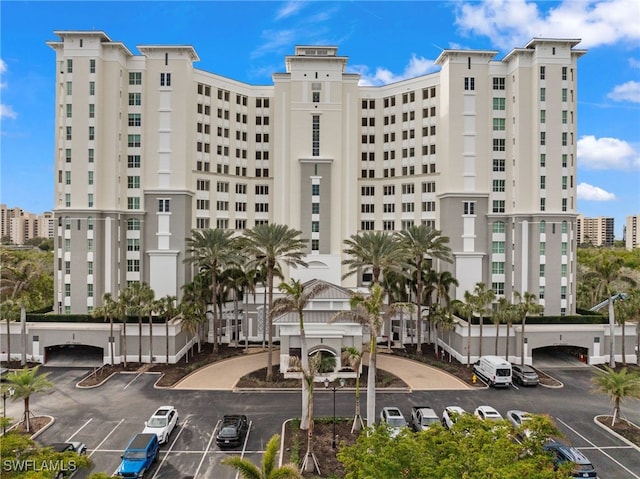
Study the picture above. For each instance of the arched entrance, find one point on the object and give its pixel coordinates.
(560, 356)
(71, 355)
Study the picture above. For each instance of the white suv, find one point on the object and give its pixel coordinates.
(161, 423)
(450, 415)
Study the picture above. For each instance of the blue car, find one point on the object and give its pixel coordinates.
(139, 455)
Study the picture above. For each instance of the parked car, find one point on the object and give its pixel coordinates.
(493, 369)
(487, 413)
(450, 415)
(78, 447)
(139, 456)
(518, 420)
(524, 375)
(582, 467)
(161, 423)
(423, 417)
(394, 418)
(233, 429)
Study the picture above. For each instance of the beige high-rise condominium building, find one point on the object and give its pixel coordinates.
(595, 231)
(149, 147)
(632, 232)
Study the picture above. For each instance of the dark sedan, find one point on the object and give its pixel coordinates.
(232, 431)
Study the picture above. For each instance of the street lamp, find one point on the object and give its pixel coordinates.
(334, 388)
(11, 392)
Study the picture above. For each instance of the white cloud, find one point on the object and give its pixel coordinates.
(629, 91)
(633, 63)
(417, 66)
(607, 154)
(7, 112)
(289, 9)
(593, 193)
(511, 23)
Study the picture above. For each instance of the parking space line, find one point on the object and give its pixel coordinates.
(166, 454)
(106, 437)
(79, 429)
(598, 448)
(213, 434)
(129, 383)
(244, 446)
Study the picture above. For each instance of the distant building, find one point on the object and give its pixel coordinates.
(20, 226)
(595, 231)
(631, 233)
(149, 147)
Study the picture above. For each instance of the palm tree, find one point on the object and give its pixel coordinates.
(212, 250)
(447, 323)
(500, 316)
(26, 383)
(465, 309)
(422, 244)
(618, 385)
(268, 469)
(371, 311)
(110, 310)
(377, 250)
(136, 297)
(194, 305)
(167, 309)
(353, 358)
(297, 297)
(442, 283)
(527, 304)
(268, 245)
(607, 271)
(480, 299)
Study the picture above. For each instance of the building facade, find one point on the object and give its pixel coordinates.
(149, 147)
(596, 231)
(19, 226)
(631, 232)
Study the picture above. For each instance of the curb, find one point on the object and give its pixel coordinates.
(613, 433)
(80, 386)
(43, 429)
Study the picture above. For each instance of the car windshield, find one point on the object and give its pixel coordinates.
(135, 455)
(427, 421)
(157, 422)
(396, 422)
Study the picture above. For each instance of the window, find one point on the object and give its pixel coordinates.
(133, 182)
(135, 78)
(543, 138)
(564, 161)
(498, 185)
(315, 97)
(564, 182)
(497, 247)
(133, 244)
(67, 267)
(563, 292)
(498, 165)
(498, 206)
(315, 226)
(388, 225)
(564, 117)
(133, 224)
(469, 83)
(92, 88)
(133, 203)
(468, 207)
(564, 94)
(68, 132)
(163, 205)
(315, 190)
(498, 144)
(543, 116)
(69, 88)
(315, 208)
(541, 270)
(543, 160)
(498, 83)
(67, 290)
(498, 288)
(543, 204)
(165, 79)
(90, 245)
(91, 155)
(133, 161)
(135, 99)
(90, 177)
(69, 110)
(542, 72)
(564, 204)
(498, 103)
(92, 110)
(543, 226)
(315, 135)
(92, 66)
(315, 245)
(563, 248)
(135, 119)
(564, 138)
(543, 94)
(133, 141)
(543, 182)
(133, 265)
(497, 267)
(69, 66)
(564, 73)
(564, 226)
(67, 200)
(498, 227)
(498, 124)
(92, 133)
(543, 248)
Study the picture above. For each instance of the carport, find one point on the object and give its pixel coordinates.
(560, 356)
(73, 355)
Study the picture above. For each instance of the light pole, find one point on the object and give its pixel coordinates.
(334, 388)
(11, 392)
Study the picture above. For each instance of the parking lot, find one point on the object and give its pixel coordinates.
(107, 417)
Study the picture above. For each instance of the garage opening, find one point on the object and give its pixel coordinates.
(70, 355)
(560, 356)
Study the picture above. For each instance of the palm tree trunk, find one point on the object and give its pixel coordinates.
(140, 339)
(124, 340)
(497, 334)
(612, 333)
(27, 415)
(468, 342)
(357, 420)
(304, 360)
(371, 382)
(506, 353)
(419, 310)
(166, 335)
(309, 457)
(480, 342)
(270, 332)
(624, 354)
(524, 320)
(8, 339)
(111, 339)
(150, 339)
(214, 304)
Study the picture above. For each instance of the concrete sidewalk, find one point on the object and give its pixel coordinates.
(224, 375)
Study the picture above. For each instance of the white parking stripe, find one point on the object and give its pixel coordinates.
(79, 429)
(244, 446)
(213, 434)
(598, 448)
(129, 383)
(106, 437)
(184, 424)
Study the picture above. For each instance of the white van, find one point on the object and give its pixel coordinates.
(495, 370)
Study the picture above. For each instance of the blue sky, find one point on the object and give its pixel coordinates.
(385, 41)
